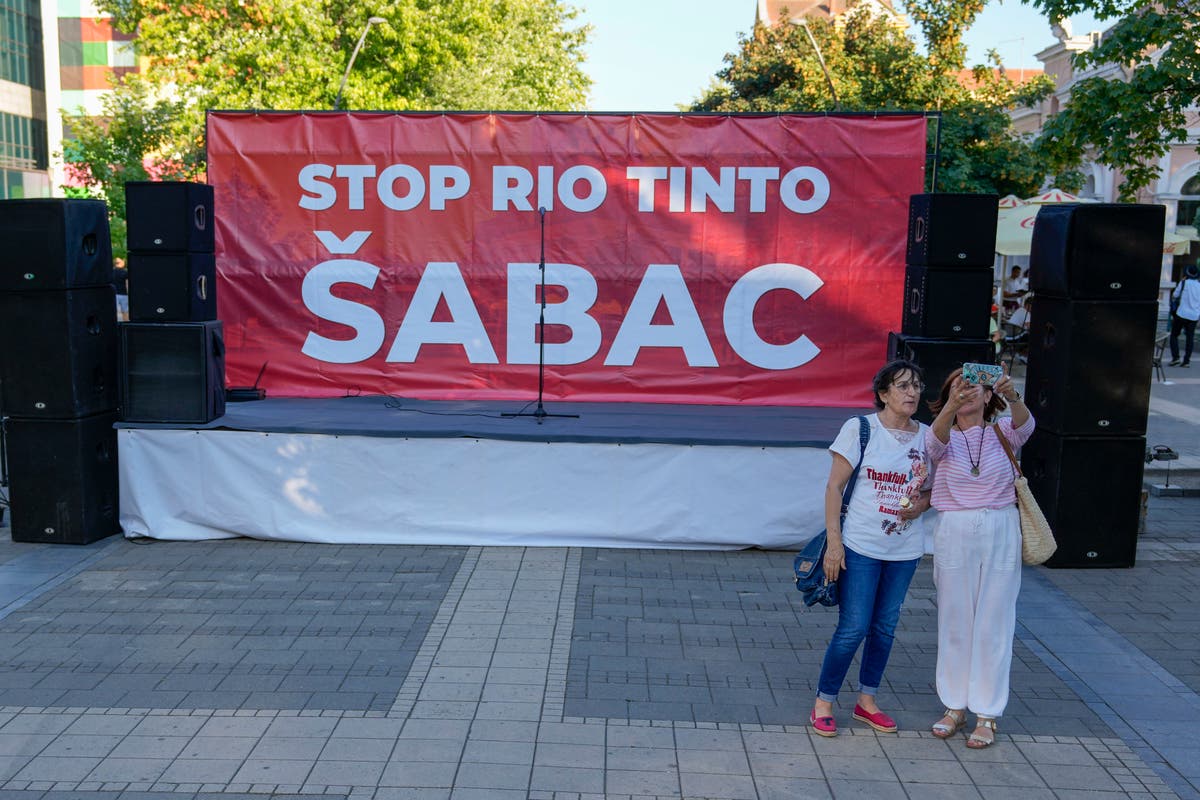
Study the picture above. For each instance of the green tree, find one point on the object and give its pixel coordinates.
(291, 54)
(875, 66)
(274, 54)
(136, 138)
(872, 64)
(1129, 119)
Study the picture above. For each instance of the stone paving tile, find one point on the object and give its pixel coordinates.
(418, 755)
(714, 678)
(189, 621)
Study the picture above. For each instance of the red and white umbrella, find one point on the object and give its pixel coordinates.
(1014, 227)
(1055, 196)
(1011, 201)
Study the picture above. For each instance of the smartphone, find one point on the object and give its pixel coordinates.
(982, 374)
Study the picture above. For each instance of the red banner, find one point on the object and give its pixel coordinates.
(698, 259)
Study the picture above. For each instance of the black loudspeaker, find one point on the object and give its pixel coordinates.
(58, 352)
(1089, 366)
(172, 372)
(169, 216)
(172, 287)
(947, 302)
(937, 358)
(952, 230)
(1097, 251)
(54, 244)
(1090, 489)
(63, 479)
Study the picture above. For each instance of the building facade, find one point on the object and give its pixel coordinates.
(1178, 185)
(55, 56)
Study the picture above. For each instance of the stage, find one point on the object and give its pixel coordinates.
(386, 470)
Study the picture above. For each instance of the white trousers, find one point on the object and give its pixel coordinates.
(977, 571)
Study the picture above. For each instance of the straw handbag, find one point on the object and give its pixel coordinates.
(1037, 540)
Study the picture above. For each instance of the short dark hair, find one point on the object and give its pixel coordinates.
(994, 406)
(887, 375)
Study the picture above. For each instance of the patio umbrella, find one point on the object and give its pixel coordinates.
(1176, 244)
(1056, 196)
(1011, 201)
(1014, 230)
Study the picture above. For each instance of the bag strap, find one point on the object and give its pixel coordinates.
(1007, 449)
(864, 436)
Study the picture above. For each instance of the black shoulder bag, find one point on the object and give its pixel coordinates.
(809, 565)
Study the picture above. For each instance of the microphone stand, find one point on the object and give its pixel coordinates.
(540, 412)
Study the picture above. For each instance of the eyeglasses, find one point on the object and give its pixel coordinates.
(910, 386)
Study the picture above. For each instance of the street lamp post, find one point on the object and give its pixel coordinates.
(337, 103)
(821, 60)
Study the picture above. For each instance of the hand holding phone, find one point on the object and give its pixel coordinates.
(982, 374)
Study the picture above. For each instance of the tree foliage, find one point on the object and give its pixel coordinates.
(944, 22)
(1129, 120)
(292, 54)
(273, 54)
(875, 66)
(105, 152)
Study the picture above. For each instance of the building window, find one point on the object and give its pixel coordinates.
(23, 142)
(1188, 212)
(21, 43)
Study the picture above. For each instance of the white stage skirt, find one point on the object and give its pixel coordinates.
(349, 489)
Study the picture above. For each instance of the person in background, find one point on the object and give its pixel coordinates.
(995, 332)
(1016, 286)
(976, 549)
(121, 284)
(1185, 310)
(874, 552)
(1019, 319)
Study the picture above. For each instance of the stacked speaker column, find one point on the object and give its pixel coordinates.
(172, 348)
(947, 287)
(58, 369)
(1094, 271)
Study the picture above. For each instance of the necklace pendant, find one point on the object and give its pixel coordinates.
(975, 471)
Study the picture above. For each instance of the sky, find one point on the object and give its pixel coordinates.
(651, 55)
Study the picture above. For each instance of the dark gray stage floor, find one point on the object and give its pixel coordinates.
(766, 426)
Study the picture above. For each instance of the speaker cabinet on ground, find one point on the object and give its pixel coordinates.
(937, 359)
(172, 287)
(1097, 251)
(63, 479)
(947, 302)
(58, 352)
(165, 216)
(172, 372)
(952, 230)
(1089, 366)
(54, 244)
(1090, 489)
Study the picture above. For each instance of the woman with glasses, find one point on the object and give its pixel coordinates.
(873, 552)
(976, 550)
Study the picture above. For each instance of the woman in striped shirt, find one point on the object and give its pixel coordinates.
(977, 549)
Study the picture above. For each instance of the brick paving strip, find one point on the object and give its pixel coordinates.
(480, 715)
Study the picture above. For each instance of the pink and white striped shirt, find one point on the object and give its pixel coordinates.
(954, 487)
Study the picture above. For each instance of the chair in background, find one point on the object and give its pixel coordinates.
(1014, 346)
(1160, 346)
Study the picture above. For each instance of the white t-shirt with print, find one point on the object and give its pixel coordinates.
(891, 469)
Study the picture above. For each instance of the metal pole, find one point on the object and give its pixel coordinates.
(337, 103)
(821, 61)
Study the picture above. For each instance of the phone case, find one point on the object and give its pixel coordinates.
(983, 374)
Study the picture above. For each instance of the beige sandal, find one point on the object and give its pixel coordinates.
(944, 731)
(977, 742)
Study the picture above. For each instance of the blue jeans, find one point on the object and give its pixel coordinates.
(870, 594)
